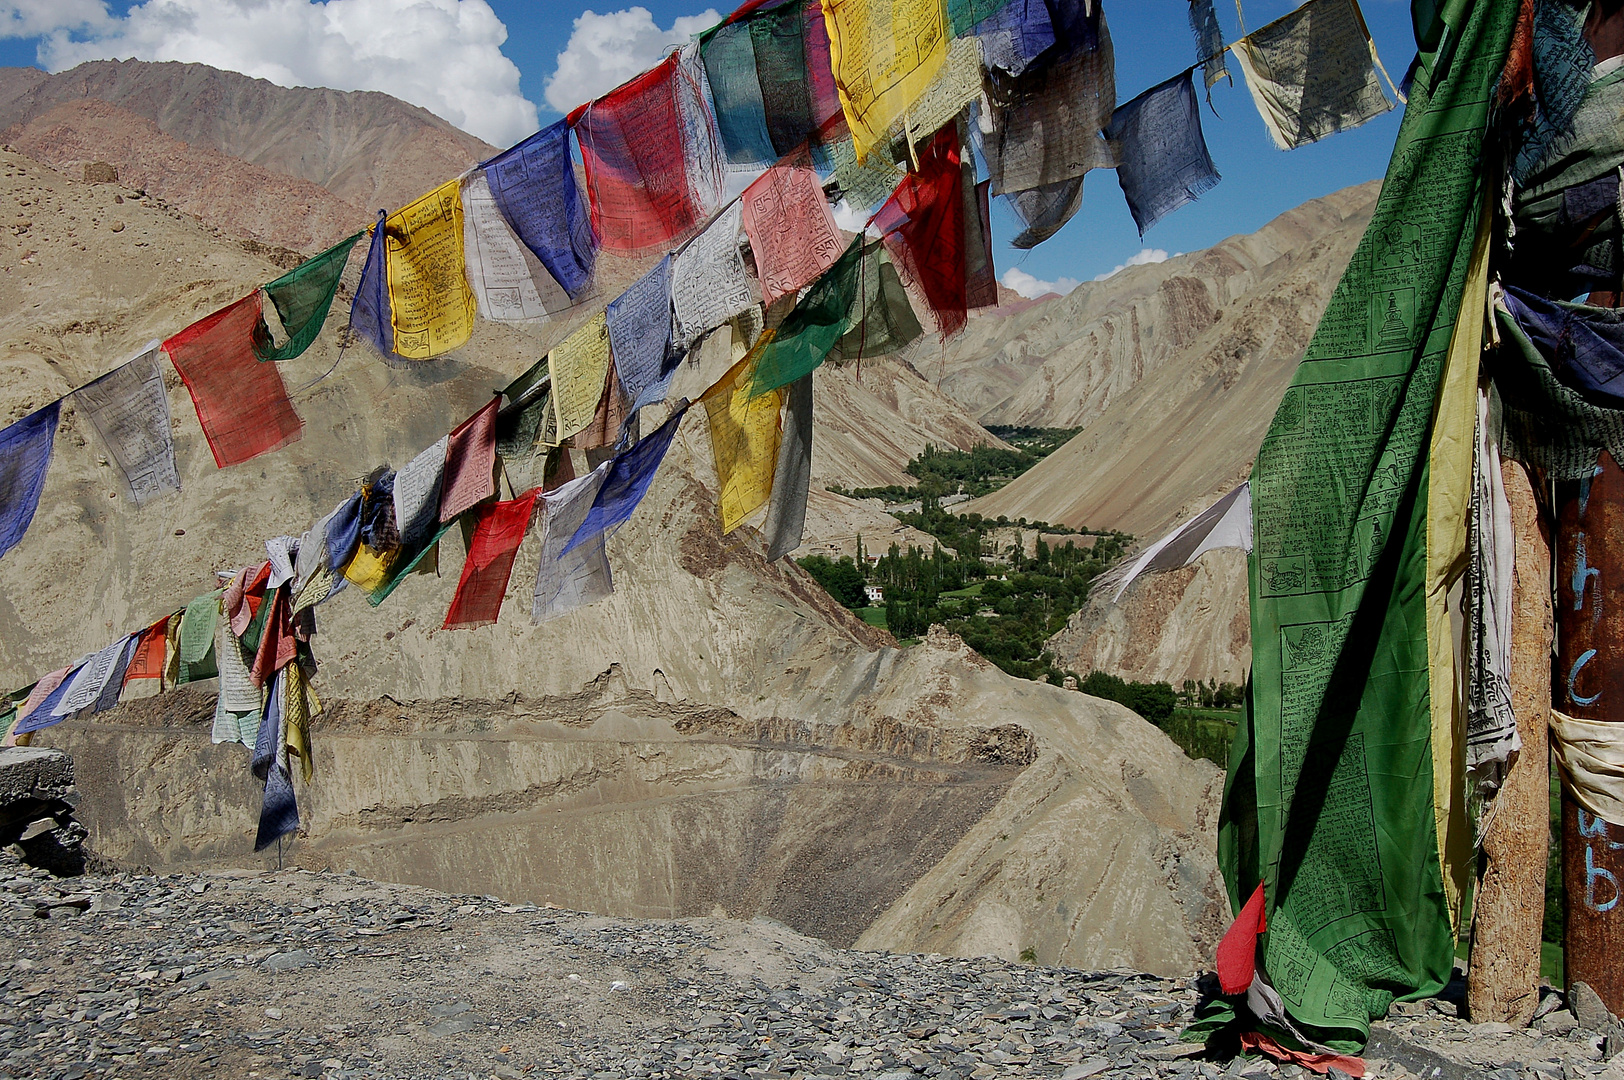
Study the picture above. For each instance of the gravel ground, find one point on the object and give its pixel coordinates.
(298, 974)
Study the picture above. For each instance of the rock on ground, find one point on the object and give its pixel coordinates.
(300, 974)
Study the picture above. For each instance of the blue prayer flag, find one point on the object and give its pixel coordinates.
(640, 335)
(25, 455)
(628, 481)
(1163, 159)
(534, 186)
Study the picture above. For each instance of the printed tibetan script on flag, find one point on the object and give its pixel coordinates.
(130, 411)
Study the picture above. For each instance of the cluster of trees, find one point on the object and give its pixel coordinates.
(977, 471)
(1154, 701)
(840, 578)
(1211, 694)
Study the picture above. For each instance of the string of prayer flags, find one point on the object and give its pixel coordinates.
(1312, 73)
(577, 367)
(566, 582)
(510, 283)
(147, 661)
(791, 228)
(628, 480)
(744, 436)
(535, 188)
(1163, 158)
(25, 456)
(129, 409)
(709, 284)
(241, 403)
(923, 227)
(792, 476)
(431, 307)
(302, 298)
(647, 184)
(884, 53)
(470, 463)
(1014, 37)
(1209, 43)
(638, 322)
(497, 535)
(417, 493)
(820, 318)
(883, 319)
(1045, 124)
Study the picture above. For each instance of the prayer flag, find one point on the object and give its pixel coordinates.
(650, 183)
(90, 680)
(36, 711)
(1312, 73)
(534, 186)
(241, 403)
(947, 96)
(791, 228)
(194, 639)
(431, 307)
(630, 474)
(744, 436)
(1209, 43)
(129, 409)
(741, 111)
(638, 323)
(884, 53)
(1342, 795)
(1162, 158)
(426, 560)
(1045, 124)
(1045, 210)
(369, 311)
(566, 582)
(343, 533)
(277, 646)
(113, 688)
(302, 298)
(578, 366)
(417, 493)
(819, 320)
(484, 580)
(25, 455)
(278, 814)
(763, 67)
(963, 16)
(882, 319)
(709, 284)
(923, 226)
(370, 569)
(150, 656)
(509, 281)
(470, 463)
(1014, 37)
(980, 275)
(792, 477)
(866, 184)
(610, 417)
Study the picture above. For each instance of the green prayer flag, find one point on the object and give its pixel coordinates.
(518, 424)
(303, 297)
(1330, 796)
(820, 319)
(883, 320)
(381, 594)
(197, 623)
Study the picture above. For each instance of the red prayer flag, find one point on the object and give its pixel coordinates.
(148, 661)
(484, 579)
(1237, 952)
(244, 595)
(277, 645)
(923, 223)
(242, 404)
(643, 179)
(470, 463)
(1256, 1041)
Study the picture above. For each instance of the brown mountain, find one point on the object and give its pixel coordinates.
(367, 148)
(1173, 371)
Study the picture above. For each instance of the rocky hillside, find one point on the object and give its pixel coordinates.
(717, 732)
(369, 149)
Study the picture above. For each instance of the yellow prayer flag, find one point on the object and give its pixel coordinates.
(431, 307)
(299, 704)
(884, 54)
(370, 569)
(579, 367)
(744, 438)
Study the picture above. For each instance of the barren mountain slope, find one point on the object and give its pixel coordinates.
(718, 731)
(238, 198)
(367, 148)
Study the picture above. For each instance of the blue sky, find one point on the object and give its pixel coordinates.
(1152, 40)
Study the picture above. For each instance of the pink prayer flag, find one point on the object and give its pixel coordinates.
(470, 463)
(791, 228)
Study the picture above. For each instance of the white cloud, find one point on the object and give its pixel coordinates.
(606, 50)
(1032, 288)
(444, 55)
(1145, 256)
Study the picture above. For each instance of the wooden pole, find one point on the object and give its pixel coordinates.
(1589, 676)
(1509, 912)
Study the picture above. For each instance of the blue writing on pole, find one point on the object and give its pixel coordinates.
(1573, 677)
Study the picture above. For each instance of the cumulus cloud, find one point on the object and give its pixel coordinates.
(606, 50)
(1032, 288)
(1145, 256)
(444, 55)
